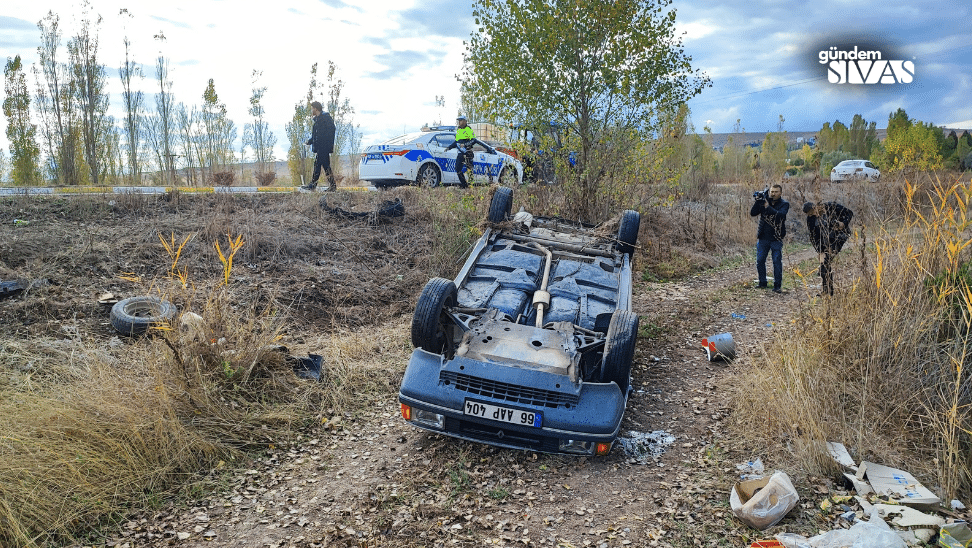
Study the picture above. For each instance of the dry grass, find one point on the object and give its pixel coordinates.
(90, 430)
(881, 366)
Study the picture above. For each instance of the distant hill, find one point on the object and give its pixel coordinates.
(719, 140)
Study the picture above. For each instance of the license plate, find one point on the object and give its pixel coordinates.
(503, 414)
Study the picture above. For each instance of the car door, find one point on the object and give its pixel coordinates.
(486, 165)
(445, 158)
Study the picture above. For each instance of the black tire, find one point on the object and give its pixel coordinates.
(428, 175)
(508, 176)
(134, 315)
(432, 330)
(628, 231)
(501, 205)
(619, 348)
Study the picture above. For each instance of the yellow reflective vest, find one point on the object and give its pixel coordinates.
(464, 134)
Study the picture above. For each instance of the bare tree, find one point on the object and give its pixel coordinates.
(163, 123)
(186, 119)
(92, 99)
(257, 135)
(55, 99)
(133, 100)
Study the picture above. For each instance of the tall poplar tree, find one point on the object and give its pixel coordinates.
(22, 134)
(90, 79)
(133, 99)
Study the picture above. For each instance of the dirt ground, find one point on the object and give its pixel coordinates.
(371, 479)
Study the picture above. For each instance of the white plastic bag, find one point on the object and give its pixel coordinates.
(761, 503)
(863, 534)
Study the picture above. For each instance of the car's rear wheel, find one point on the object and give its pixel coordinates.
(429, 176)
(619, 348)
(628, 231)
(508, 176)
(501, 205)
(432, 329)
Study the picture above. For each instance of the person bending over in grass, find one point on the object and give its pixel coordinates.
(829, 227)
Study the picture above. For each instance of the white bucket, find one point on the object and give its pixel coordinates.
(720, 346)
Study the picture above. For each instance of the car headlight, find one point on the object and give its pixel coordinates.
(426, 418)
(577, 447)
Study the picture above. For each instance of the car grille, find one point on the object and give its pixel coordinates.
(508, 392)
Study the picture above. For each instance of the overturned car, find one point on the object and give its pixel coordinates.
(531, 346)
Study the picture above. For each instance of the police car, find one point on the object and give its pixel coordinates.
(421, 158)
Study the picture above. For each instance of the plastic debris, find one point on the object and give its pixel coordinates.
(762, 503)
(955, 535)
(874, 533)
(752, 469)
(720, 346)
(309, 367)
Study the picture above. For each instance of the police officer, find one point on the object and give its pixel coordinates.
(465, 139)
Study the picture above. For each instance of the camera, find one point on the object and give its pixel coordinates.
(761, 195)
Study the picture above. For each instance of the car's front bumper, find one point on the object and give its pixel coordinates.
(574, 418)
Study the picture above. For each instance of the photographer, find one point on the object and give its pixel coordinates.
(771, 208)
(829, 226)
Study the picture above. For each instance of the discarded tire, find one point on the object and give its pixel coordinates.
(134, 315)
(501, 205)
(431, 328)
(619, 349)
(628, 231)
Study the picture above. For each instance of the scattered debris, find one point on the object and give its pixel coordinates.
(907, 517)
(309, 367)
(896, 483)
(9, 289)
(874, 533)
(387, 208)
(752, 469)
(720, 346)
(955, 535)
(134, 315)
(107, 299)
(761, 503)
(642, 448)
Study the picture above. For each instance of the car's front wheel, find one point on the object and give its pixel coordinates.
(432, 329)
(508, 176)
(619, 348)
(429, 176)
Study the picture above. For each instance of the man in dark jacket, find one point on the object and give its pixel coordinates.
(771, 209)
(829, 226)
(322, 144)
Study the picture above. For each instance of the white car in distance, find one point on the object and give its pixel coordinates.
(421, 158)
(855, 170)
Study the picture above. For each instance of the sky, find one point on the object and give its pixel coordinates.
(396, 57)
